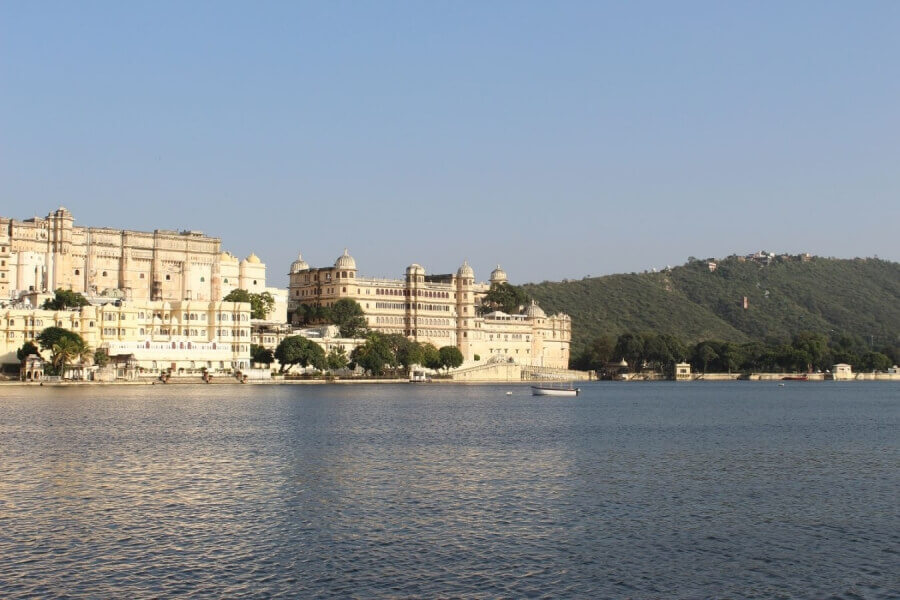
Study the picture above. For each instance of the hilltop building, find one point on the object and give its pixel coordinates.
(44, 254)
(440, 309)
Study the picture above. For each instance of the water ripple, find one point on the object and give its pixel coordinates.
(653, 491)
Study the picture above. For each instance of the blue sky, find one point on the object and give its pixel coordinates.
(558, 139)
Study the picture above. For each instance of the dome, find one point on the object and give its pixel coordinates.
(345, 261)
(465, 270)
(415, 269)
(534, 310)
(228, 256)
(299, 264)
(498, 275)
(253, 259)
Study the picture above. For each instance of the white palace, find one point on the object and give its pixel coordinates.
(440, 310)
(42, 255)
(156, 297)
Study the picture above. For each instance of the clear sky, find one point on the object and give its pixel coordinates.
(559, 139)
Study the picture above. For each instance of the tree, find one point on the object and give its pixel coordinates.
(754, 354)
(67, 350)
(875, 361)
(406, 352)
(892, 352)
(431, 357)
(52, 335)
(101, 357)
(451, 357)
(630, 347)
(336, 359)
(308, 314)
(260, 304)
(315, 357)
(596, 355)
(64, 299)
(348, 315)
(703, 355)
(789, 358)
(504, 297)
(27, 349)
(262, 355)
(297, 350)
(656, 352)
(815, 345)
(374, 355)
(730, 356)
(409, 354)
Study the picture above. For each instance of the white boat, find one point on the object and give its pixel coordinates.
(549, 390)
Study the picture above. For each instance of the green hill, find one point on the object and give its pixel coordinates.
(860, 297)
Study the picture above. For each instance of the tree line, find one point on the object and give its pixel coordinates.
(378, 355)
(804, 352)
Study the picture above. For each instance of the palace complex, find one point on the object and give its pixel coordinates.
(443, 310)
(42, 255)
(156, 308)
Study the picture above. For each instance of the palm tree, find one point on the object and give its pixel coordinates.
(66, 350)
(85, 354)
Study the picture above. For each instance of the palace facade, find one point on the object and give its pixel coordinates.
(178, 337)
(440, 309)
(39, 255)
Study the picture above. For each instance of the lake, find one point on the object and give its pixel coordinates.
(643, 490)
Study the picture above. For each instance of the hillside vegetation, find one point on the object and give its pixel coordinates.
(857, 297)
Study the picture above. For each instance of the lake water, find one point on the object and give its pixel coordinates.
(656, 490)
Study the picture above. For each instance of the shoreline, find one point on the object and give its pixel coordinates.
(889, 378)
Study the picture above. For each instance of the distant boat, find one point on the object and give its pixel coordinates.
(795, 378)
(550, 390)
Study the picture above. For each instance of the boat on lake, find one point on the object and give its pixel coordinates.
(554, 390)
(795, 378)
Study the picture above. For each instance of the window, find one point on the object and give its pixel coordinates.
(77, 272)
(142, 275)
(168, 277)
(104, 273)
(254, 282)
(202, 279)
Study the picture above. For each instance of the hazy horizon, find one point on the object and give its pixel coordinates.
(557, 140)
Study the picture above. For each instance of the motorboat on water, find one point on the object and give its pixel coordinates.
(554, 390)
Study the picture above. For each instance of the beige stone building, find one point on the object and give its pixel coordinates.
(440, 309)
(183, 336)
(43, 254)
